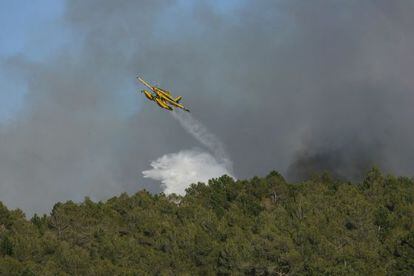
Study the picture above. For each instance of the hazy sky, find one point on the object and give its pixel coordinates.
(24, 23)
(292, 86)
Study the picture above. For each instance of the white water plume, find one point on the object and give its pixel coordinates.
(205, 137)
(177, 171)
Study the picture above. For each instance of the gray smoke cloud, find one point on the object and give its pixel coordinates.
(287, 85)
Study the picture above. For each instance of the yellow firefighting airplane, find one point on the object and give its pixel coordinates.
(162, 97)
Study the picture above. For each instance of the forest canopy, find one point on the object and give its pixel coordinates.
(260, 226)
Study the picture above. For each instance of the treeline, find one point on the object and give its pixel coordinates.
(261, 226)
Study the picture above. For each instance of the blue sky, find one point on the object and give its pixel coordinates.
(31, 29)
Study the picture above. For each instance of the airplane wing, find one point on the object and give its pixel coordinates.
(145, 83)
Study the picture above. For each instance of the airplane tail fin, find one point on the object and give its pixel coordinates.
(178, 99)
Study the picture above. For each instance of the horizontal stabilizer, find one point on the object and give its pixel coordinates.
(178, 99)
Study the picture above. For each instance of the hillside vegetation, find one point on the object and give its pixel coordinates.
(261, 226)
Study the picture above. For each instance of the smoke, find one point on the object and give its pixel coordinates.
(178, 170)
(344, 161)
(287, 85)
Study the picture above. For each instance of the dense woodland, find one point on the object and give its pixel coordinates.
(261, 226)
